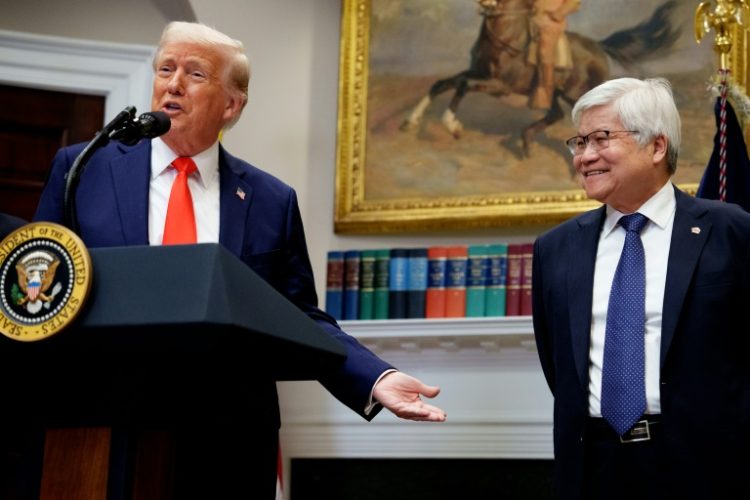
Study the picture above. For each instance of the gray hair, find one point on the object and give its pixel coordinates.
(237, 71)
(644, 105)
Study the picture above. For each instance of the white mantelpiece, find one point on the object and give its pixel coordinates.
(493, 390)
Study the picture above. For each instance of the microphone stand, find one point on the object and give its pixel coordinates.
(73, 176)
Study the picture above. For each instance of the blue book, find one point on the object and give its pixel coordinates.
(351, 284)
(398, 283)
(416, 283)
(455, 282)
(335, 284)
(497, 256)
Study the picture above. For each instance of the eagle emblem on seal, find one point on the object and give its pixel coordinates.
(36, 273)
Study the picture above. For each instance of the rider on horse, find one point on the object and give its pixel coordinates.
(549, 20)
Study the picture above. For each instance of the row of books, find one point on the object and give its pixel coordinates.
(434, 282)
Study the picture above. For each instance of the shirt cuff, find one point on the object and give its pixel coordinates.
(371, 402)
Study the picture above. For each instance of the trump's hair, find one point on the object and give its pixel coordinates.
(237, 67)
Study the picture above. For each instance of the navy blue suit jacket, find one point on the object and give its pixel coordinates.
(705, 367)
(264, 230)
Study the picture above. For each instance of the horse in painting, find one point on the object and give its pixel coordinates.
(499, 64)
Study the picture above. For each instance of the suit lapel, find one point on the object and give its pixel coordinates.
(689, 235)
(581, 250)
(235, 199)
(131, 173)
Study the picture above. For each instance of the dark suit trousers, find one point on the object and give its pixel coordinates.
(619, 471)
(658, 469)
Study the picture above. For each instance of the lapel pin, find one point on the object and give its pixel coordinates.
(695, 230)
(240, 194)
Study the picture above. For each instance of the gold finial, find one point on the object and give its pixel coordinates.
(726, 14)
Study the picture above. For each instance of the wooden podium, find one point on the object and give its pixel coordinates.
(80, 408)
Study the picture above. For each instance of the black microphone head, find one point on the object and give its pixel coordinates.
(154, 124)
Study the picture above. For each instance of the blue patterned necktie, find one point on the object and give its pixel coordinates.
(623, 378)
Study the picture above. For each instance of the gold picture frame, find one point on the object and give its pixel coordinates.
(356, 211)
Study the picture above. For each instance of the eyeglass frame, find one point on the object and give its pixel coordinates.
(572, 146)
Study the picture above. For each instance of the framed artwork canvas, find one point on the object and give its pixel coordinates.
(435, 130)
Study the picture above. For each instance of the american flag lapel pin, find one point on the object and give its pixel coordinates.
(695, 230)
(240, 194)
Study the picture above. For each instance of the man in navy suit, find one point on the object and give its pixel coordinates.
(691, 435)
(201, 79)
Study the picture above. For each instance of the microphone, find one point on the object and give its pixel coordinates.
(124, 128)
(147, 126)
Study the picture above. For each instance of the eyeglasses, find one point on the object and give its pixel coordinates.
(598, 139)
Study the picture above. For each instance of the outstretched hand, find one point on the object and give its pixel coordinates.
(400, 393)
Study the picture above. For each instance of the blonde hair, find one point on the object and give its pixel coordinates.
(237, 71)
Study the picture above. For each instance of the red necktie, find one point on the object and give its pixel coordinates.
(179, 226)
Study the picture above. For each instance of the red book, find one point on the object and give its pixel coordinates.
(526, 255)
(455, 282)
(513, 285)
(435, 295)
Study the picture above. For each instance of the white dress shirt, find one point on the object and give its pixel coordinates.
(656, 237)
(204, 189)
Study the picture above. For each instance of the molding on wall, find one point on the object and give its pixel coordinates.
(492, 381)
(120, 72)
(510, 334)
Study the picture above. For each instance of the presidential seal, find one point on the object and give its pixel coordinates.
(45, 278)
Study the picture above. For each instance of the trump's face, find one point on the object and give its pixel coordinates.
(619, 171)
(190, 87)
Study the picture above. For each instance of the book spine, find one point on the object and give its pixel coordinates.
(351, 284)
(497, 258)
(367, 284)
(455, 282)
(398, 282)
(335, 284)
(476, 280)
(416, 283)
(435, 293)
(526, 270)
(513, 282)
(382, 283)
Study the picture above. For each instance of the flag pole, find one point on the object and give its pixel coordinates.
(723, 19)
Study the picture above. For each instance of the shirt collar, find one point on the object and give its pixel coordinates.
(207, 161)
(658, 209)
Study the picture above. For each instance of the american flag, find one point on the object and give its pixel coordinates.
(33, 289)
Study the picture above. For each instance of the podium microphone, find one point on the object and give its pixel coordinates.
(147, 126)
(124, 128)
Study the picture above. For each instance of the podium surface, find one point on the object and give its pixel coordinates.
(190, 299)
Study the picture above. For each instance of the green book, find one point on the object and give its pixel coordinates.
(476, 281)
(367, 284)
(497, 258)
(381, 288)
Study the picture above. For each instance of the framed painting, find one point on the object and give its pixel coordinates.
(428, 141)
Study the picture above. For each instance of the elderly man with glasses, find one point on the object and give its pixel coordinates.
(639, 315)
